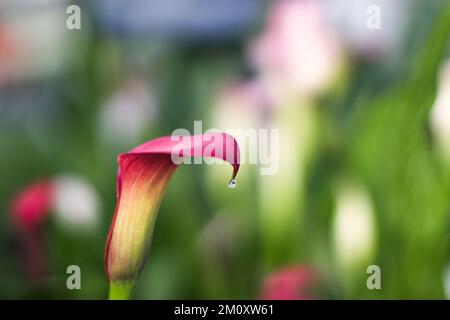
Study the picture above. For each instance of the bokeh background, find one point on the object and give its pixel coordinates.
(364, 120)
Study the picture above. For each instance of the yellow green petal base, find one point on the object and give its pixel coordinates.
(121, 290)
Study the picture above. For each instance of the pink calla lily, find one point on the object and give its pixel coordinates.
(142, 178)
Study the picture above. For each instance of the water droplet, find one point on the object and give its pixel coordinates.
(232, 184)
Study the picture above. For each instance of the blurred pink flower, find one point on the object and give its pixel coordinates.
(290, 283)
(72, 201)
(297, 53)
(31, 205)
(28, 212)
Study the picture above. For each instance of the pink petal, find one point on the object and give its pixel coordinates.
(143, 175)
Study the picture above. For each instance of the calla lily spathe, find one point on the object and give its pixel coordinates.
(142, 178)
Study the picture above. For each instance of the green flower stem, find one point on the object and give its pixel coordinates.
(119, 290)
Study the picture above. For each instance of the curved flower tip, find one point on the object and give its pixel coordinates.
(290, 283)
(142, 178)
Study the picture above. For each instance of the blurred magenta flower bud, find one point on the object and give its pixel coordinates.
(28, 210)
(290, 283)
(32, 204)
(72, 201)
(142, 178)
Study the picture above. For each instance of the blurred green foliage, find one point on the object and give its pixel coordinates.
(374, 127)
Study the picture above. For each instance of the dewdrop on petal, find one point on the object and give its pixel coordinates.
(238, 108)
(232, 184)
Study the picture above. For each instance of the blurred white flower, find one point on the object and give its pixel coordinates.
(76, 203)
(297, 52)
(128, 113)
(354, 225)
(440, 112)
